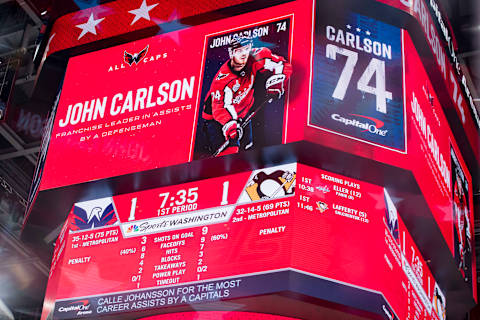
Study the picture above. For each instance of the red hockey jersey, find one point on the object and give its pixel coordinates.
(231, 93)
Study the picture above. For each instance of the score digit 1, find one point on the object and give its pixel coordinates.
(132, 209)
(225, 193)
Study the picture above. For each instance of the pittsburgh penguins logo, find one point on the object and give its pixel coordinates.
(322, 206)
(268, 186)
(439, 303)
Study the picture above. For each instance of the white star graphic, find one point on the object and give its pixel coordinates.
(89, 26)
(359, 30)
(368, 32)
(142, 12)
(171, 27)
(349, 26)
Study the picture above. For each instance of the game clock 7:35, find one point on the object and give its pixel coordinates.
(181, 201)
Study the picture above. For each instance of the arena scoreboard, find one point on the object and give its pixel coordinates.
(242, 235)
(370, 81)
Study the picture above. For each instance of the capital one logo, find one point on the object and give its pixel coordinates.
(80, 305)
(370, 124)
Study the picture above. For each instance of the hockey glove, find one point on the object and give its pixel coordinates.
(232, 130)
(274, 85)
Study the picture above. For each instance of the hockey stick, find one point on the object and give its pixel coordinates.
(280, 188)
(245, 122)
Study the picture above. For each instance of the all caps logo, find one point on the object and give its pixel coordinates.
(93, 214)
(136, 57)
(131, 58)
(372, 125)
(80, 307)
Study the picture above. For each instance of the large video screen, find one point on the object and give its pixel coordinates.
(295, 71)
(368, 87)
(357, 84)
(242, 235)
(162, 101)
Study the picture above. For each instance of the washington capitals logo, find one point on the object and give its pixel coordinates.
(391, 217)
(221, 76)
(93, 214)
(136, 57)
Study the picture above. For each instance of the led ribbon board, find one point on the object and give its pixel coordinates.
(242, 235)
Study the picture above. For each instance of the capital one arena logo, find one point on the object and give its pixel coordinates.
(370, 124)
(80, 307)
(131, 59)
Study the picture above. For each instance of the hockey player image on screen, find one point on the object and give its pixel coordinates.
(246, 95)
(461, 219)
(461, 224)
